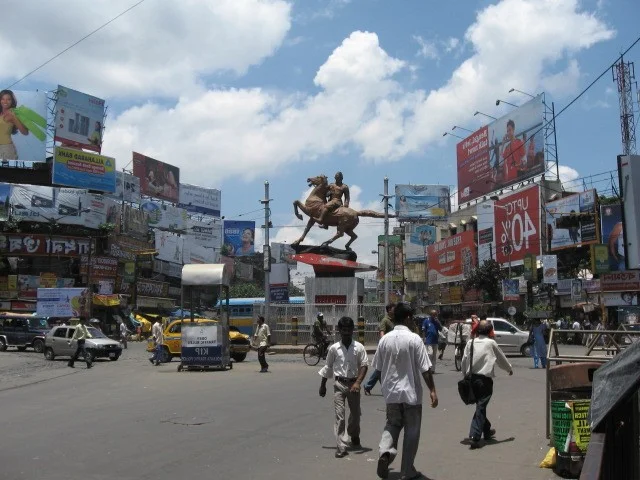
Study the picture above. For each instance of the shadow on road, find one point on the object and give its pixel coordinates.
(487, 443)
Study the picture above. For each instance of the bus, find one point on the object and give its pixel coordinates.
(241, 311)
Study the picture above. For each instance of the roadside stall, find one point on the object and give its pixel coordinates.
(205, 345)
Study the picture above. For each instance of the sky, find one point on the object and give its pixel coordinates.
(239, 92)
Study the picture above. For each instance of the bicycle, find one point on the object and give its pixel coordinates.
(313, 352)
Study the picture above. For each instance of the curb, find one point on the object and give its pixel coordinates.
(291, 349)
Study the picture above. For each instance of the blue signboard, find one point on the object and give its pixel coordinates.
(75, 168)
(613, 236)
(238, 238)
(204, 345)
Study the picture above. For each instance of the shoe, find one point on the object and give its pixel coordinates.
(474, 443)
(383, 465)
(367, 391)
(440, 357)
(490, 434)
(151, 360)
(70, 365)
(89, 365)
(412, 476)
(340, 454)
(355, 442)
(157, 364)
(263, 370)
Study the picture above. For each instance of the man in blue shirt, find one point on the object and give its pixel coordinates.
(430, 328)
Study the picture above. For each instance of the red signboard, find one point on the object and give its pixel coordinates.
(451, 259)
(157, 179)
(19, 244)
(620, 281)
(517, 225)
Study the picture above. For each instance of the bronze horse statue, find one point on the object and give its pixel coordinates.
(344, 218)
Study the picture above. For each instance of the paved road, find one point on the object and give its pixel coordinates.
(130, 420)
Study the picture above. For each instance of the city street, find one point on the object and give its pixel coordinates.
(131, 420)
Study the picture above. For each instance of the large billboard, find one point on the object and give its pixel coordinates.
(127, 188)
(205, 234)
(202, 200)
(63, 302)
(281, 253)
(414, 202)
(75, 168)
(24, 131)
(79, 119)
(5, 201)
(157, 179)
(136, 222)
(396, 265)
(629, 171)
(417, 239)
(166, 217)
(506, 151)
(238, 238)
(170, 247)
(613, 236)
(509, 228)
(571, 221)
(451, 259)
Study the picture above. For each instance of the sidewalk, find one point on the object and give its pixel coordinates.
(297, 349)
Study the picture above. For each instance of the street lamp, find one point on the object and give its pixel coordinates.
(498, 102)
(461, 128)
(482, 113)
(520, 91)
(453, 135)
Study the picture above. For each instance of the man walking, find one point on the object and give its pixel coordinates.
(347, 363)
(384, 327)
(320, 333)
(430, 329)
(158, 338)
(80, 334)
(262, 338)
(402, 359)
(486, 354)
(123, 333)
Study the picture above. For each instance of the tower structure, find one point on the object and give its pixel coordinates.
(624, 76)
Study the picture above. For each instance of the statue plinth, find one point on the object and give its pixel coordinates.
(330, 262)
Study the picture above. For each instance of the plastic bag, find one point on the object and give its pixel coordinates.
(549, 459)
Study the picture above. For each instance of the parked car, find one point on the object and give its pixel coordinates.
(56, 344)
(22, 331)
(239, 344)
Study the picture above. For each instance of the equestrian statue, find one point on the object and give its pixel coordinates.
(325, 206)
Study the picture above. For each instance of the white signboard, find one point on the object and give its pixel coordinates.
(549, 269)
(200, 336)
(281, 253)
(200, 200)
(205, 234)
(62, 302)
(165, 216)
(170, 247)
(127, 188)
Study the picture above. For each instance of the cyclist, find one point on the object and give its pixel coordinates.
(320, 334)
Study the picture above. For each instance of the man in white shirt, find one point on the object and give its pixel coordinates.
(80, 334)
(486, 355)
(402, 361)
(347, 363)
(123, 334)
(262, 338)
(577, 337)
(158, 338)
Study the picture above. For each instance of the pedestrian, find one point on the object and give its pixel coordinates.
(320, 334)
(538, 343)
(347, 363)
(402, 360)
(486, 354)
(262, 338)
(430, 329)
(158, 339)
(577, 336)
(443, 339)
(123, 333)
(81, 333)
(384, 327)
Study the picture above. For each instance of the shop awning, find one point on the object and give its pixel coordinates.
(106, 300)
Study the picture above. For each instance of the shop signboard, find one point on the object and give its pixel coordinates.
(451, 259)
(19, 244)
(100, 266)
(148, 288)
(620, 281)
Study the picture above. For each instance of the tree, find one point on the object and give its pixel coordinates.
(488, 278)
(246, 290)
(295, 291)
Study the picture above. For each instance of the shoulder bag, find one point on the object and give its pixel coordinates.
(465, 386)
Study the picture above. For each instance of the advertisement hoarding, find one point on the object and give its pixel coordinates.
(29, 142)
(530, 264)
(571, 221)
(63, 302)
(509, 228)
(157, 179)
(510, 289)
(507, 151)
(127, 188)
(281, 253)
(612, 236)
(5, 201)
(620, 299)
(205, 234)
(619, 281)
(79, 119)
(238, 238)
(395, 261)
(600, 258)
(75, 168)
(202, 200)
(451, 259)
(417, 240)
(629, 173)
(165, 217)
(432, 202)
(136, 222)
(549, 269)
(170, 247)
(198, 254)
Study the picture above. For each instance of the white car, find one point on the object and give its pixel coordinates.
(510, 338)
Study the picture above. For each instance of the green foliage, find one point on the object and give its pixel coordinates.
(246, 290)
(608, 200)
(488, 278)
(295, 291)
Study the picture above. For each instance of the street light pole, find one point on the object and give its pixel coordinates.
(386, 240)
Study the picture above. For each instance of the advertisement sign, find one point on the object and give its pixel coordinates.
(205, 234)
(530, 264)
(417, 241)
(509, 228)
(18, 244)
(600, 259)
(168, 269)
(611, 282)
(620, 299)
(571, 221)
(100, 266)
(414, 202)
(451, 259)
(170, 247)
(197, 254)
(127, 188)
(165, 217)
(549, 269)
(129, 272)
(507, 151)
(5, 201)
(202, 345)
(27, 285)
(79, 119)
(510, 289)
(629, 175)
(396, 266)
(147, 288)
(281, 253)
(63, 302)
(75, 168)
(136, 222)
(157, 179)
(576, 289)
(202, 200)
(238, 238)
(613, 236)
(27, 143)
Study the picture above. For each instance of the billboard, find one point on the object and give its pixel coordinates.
(22, 244)
(571, 221)
(417, 241)
(127, 188)
(63, 302)
(136, 222)
(396, 265)
(281, 253)
(202, 200)
(506, 151)
(422, 202)
(170, 247)
(511, 289)
(629, 172)
(25, 133)
(157, 179)
(205, 234)
(612, 235)
(238, 238)
(75, 168)
(451, 259)
(549, 269)
(165, 217)
(79, 119)
(5, 201)
(509, 228)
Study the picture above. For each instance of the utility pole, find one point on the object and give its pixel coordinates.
(266, 250)
(89, 280)
(386, 240)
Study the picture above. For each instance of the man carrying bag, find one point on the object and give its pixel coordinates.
(478, 364)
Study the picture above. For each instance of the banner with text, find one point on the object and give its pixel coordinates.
(75, 168)
(417, 239)
(431, 202)
(63, 302)
(451, 259)
(571, 221)
(202, 200)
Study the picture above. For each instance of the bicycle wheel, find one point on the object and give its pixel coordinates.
(311, 354)
(458, 359)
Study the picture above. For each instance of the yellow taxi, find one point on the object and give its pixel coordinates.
(239, 344)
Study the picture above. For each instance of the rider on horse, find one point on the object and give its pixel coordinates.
(335, 193)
